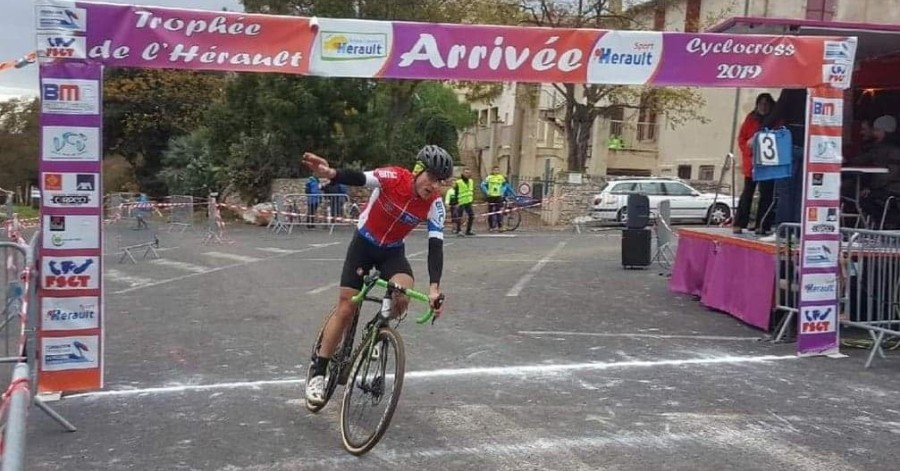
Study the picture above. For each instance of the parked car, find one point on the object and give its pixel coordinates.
(686, 203)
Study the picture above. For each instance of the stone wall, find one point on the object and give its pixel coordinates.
(297, 186)
(571, 200)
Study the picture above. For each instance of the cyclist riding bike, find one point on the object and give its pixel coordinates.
(400, 200)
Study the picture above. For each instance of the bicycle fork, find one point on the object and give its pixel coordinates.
(375, 352)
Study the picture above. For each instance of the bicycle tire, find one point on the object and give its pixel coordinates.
(512, 220)
(334, 367)
(363, 446)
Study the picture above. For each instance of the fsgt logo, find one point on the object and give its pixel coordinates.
(70, 273)
(836, 75)
(61, 47)
(817, 320)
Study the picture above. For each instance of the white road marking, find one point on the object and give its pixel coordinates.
(638, 336)
(520, 285)
(322, 289)
(180, 265)
(225, 267)
(274, 250)
(131, 280)
(423, 252)
(231, 256)
(462, 372)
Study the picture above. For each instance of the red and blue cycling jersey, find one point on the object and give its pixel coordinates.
(394, 209)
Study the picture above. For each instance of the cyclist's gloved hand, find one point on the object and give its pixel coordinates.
(318, 165)
(436, 301)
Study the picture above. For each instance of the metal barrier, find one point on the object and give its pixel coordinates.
(114, 208)
(787, 279)
(19, 277)
(181, 212)
(311, 210)
(15, 304)
(666, 238)
(869, 284)
(871, 288)
(135, 229)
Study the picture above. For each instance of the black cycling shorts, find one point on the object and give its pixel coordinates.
(363, 254)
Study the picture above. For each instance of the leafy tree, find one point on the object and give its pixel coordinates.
(266, 120)
(583, 104)
(145, 109)
(189, 167)
(19, 143)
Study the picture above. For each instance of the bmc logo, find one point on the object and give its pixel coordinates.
(823, 109)
(827, 111)
(75, 97)
(54, 92)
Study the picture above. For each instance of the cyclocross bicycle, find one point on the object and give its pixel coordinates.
(367, 366)
(512, 211)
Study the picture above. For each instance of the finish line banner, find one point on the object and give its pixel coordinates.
(151, 37)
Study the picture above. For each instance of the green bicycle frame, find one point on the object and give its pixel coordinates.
(361, 296)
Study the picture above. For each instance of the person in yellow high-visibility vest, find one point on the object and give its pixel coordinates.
(451, 199)
(496, 188)
(465, 192)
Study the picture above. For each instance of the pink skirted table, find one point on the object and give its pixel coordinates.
(729, 273)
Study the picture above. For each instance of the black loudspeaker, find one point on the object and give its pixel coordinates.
(638, 211)
(636, 247)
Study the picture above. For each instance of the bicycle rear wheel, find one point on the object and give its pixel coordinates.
(375, 382)
(512, 220)
(334, 367)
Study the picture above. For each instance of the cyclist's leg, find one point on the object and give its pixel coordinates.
(395, 267)
(359, 260)
(351, 282)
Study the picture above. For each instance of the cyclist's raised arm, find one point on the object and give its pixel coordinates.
(322, 169)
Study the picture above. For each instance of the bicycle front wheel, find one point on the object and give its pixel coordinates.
(512, 220)
(371, 395)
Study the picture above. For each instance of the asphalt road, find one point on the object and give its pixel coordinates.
(549, 356)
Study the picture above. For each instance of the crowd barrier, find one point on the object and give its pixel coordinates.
(181, 215)
(872, 286)
(134, 225)
(13, 410)
(869, 284)
(311, 210)
(19, 337)
(666, 238)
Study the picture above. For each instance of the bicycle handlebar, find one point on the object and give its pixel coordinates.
(375, 280)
